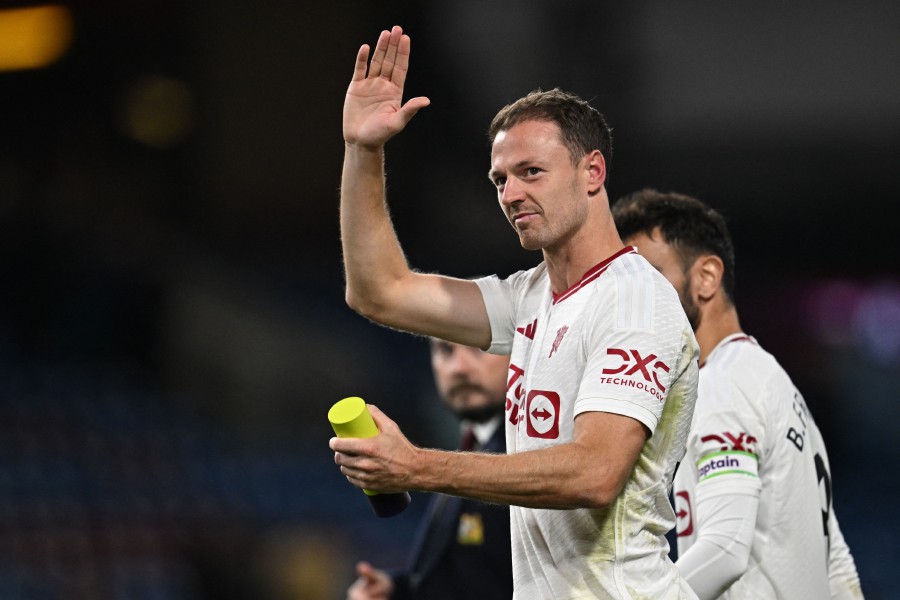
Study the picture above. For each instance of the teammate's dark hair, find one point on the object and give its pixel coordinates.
(583, 127)
(687, 224)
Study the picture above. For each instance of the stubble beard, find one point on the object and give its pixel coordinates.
(546, 235)
(549, 235)
(480, 414)
(687, 302)
(489, 407)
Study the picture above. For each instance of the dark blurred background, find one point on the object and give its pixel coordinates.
(172, 325)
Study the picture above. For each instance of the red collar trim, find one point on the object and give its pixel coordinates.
(740, 338)
(736, 337)
(592, 274)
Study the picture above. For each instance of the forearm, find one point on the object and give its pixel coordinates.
(380, 284)
(373, 258)
(588, 472)
(567, 476)
(722, 550)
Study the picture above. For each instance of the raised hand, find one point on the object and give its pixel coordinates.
(373, 108)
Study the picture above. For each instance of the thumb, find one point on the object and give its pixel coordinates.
(412, 106)
(364, 569)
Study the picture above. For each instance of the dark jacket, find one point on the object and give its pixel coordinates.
(462, 549)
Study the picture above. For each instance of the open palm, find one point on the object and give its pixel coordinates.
(373, 109)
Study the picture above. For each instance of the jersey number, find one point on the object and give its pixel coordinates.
(824, 482)
(798, 439)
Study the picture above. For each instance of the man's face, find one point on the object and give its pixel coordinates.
(471, 382)
(667, 261)
(542, 193)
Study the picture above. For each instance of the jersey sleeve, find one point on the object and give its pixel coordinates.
(726, 438)
(728, 435)
(500, 299)
(638, 346)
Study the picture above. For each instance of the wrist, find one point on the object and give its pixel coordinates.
(418, 471)
(426, 473)
(436, 471)
(363, 149)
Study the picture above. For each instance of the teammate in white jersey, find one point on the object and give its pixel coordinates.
(753, 494)
(603, 376)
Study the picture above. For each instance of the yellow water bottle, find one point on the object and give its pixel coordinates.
(350, 418)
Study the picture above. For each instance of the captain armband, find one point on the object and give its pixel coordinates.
(732, 462)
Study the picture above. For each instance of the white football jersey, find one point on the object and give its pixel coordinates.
(753, 434)
(618, 341)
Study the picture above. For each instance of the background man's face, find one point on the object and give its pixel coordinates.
(471, 382)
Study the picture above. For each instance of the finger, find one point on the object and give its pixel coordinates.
(364, 569)
(390, 56)
(367, 572)
(378, 55)
(379, 417)
(406, 113)
(401, 63)
(344, 460)
(346, 446)
(359, 69)
(355, 479)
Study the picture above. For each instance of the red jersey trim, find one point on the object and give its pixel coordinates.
(737, 338)
(740, 338)
(592, 274)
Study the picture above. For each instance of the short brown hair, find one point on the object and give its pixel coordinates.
(582, 127)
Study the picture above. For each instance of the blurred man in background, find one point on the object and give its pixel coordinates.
(753, 493)
(463, 546)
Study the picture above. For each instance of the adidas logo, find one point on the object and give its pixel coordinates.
(528, 330)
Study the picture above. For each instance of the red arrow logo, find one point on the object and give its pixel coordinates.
(684, 511)
(541, 413)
